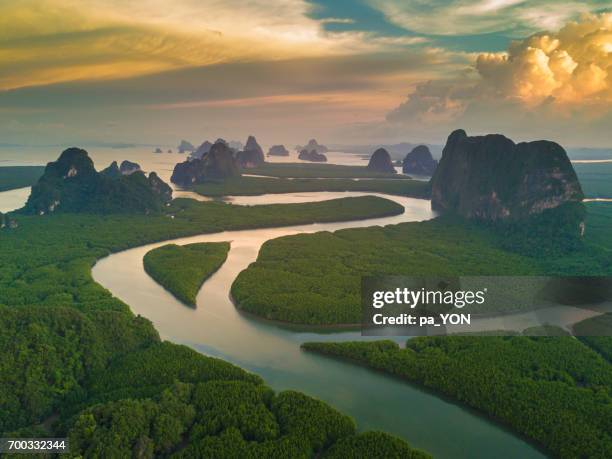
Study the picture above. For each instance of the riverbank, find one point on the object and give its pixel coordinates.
(242, 186)
(216, 328)
(531, 402)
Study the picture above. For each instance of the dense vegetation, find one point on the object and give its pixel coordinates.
(261, 185)
(595, 179)
(171, 401)
(78, 363)
(555, 391)
(13, 177)
(316, 278)
(47, 259)
(49, 352)
(301, 170)
(182, 269)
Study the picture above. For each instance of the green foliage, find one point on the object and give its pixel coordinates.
(301, 170)
(134, 428)
(373, 445)
(553, 232)
(157, 367)
(316, 278)
(221, 419)
(261, 185)
(71, 349)
(556, 391)
(47, 260)
(50, 352)
(14, 177)
(183, 269)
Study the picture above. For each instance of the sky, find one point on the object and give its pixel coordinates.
(85, 72)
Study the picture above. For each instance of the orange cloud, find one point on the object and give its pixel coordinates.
(572, 66)
(53, 41)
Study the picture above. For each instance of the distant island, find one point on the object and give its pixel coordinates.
(278, 150)
(419, 162)
(217, 163)
(185, 146)
(313, 145)
(381, 162)
(312, 155)
(252, 155)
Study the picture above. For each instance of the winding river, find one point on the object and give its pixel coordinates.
(217, 328)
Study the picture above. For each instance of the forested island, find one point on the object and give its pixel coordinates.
(183, 269)
(307, 170)
(248, 186)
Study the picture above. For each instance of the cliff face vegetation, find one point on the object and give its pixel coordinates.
(72, 184)
(493, 179)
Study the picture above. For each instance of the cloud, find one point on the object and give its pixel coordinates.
(572, 66)
(468, 17)
(50, 41)
(559, 84)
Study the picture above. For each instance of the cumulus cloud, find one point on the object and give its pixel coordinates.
(559, 83)
(573, 65)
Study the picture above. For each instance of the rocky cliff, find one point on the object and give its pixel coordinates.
(419, 162)
(278, 150)
(313, 156)
(218, 163)
(71, 184)
(201, 150)
(313, 145)
(252, 155)
(492, 178)
(115, 171)
(380, 161)
(111, 171)
(128, 167)
(185, 146)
